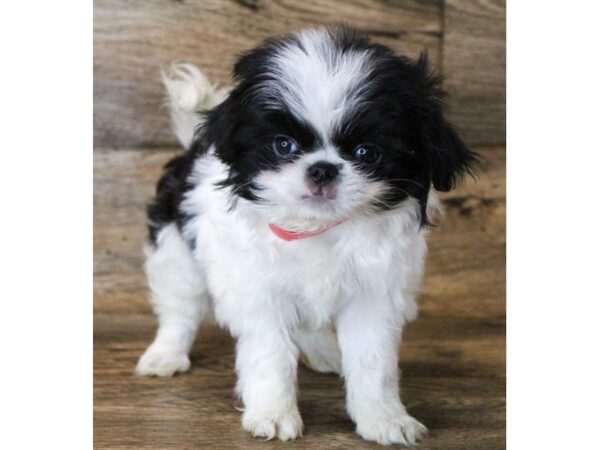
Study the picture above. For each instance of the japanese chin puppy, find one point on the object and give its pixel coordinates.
(297, 217)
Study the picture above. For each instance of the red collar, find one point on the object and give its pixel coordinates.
(295, 235)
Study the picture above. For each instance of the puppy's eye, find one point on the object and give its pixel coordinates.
(367, 154)
(285, 146)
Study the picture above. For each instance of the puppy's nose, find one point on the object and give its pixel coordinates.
(322, 172)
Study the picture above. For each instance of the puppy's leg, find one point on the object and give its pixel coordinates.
(369, 334)
(180, 301)
(266, 363)
(319, 350)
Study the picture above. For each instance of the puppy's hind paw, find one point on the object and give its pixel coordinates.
(162, 362)
(403, 430)
(286, 427)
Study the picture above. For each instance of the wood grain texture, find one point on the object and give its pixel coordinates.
(474, 63)
(453, 355)
(452, 380)
(133, 39)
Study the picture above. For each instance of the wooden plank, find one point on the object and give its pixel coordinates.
(133, 39)
(453, 380)
(474, 63)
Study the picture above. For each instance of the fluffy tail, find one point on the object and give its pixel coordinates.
(189, 95)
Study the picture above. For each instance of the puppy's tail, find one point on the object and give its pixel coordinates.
(189, 96)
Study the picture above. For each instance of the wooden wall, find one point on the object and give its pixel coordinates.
(134, 38)
(474, 63)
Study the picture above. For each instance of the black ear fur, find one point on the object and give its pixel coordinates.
(219, 125)
(448, 156)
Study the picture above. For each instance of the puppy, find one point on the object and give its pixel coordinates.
(298, 216)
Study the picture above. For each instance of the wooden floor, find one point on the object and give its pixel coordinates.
(452, 358)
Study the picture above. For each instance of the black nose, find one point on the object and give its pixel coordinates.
(322, 172)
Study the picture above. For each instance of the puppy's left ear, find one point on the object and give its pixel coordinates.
(448, 156)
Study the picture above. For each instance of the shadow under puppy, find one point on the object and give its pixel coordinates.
(298, 216)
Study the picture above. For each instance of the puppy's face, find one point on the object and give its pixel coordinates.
(324, 125)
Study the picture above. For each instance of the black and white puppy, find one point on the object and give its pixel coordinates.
(297, 216)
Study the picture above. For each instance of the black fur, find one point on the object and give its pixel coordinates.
(172, 185)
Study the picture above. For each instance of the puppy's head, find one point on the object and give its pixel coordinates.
(324, 125)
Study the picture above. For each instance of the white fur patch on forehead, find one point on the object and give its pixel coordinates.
(318, 81)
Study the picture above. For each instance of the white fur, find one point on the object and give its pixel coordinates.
(319, 349)
(180, 301)
(318, 84)
(341, 297)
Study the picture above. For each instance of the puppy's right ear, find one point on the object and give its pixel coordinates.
(255, 62)
(219, 127)
(224, 127)
(250, 69)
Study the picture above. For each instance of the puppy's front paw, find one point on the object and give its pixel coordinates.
(402, 429)
(286, 426)
(162, 362)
